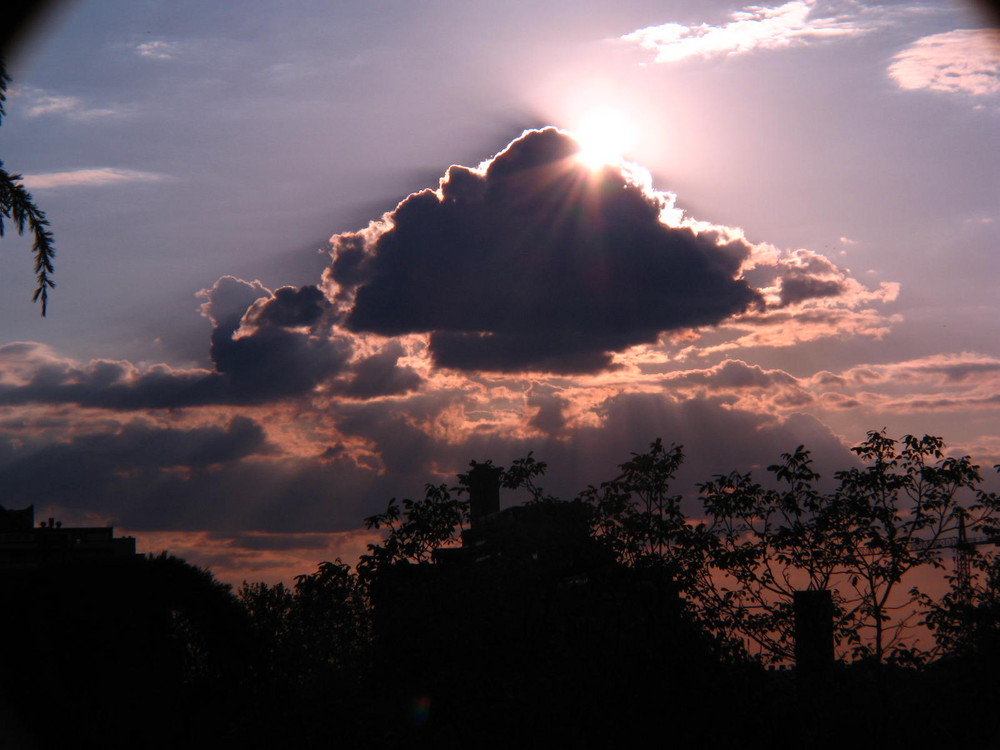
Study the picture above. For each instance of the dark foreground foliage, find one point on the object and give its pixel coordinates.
(587, 623)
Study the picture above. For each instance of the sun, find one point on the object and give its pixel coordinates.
(604, 135)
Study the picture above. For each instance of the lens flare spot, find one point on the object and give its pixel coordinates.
(420, 710)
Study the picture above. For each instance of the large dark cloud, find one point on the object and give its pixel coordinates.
(538, 263)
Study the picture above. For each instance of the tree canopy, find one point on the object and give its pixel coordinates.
(739, 560)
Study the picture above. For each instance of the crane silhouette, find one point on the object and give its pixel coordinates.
(963, 546)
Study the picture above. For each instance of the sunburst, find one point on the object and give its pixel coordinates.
(604, 135)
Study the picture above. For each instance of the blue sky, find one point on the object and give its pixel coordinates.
(846, 152)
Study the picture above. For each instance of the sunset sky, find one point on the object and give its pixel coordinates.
(279, 304)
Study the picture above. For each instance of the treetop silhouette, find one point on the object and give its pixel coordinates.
(739, 564)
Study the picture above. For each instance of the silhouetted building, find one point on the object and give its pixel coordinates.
(23, 545)
(554, 536)
(531, 617)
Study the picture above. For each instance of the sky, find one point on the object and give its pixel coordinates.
(315, 255)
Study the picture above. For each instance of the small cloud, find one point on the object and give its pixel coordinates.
(800, 287)
(848, 241)
(963, 61)
(47, 105)
(39, 103)
(89, 177)
(157, 50)
(753, 28)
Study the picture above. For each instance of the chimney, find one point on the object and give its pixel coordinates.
(484, 492)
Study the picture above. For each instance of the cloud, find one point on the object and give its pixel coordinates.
(97, 177)
(753, 28)
(83, 463)
(528, 304)
(41, 103)
(549, 418)
(732, 374)
(278, 348)
(157, 50)
(806, 297)
(800, 287)
(530, 263)
(379, 375)
(965, 382)
(320, 466)
(283, 344)
(965, 370)
(533, 262)
(265, 347)
(963, 61)
(34, 373)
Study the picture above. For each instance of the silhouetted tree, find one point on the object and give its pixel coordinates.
(860, 541)
(17, 206)
(636, 516)
(898, 508)
(966, 620)
(415, 528)
(610, 617)
(322, 624)
(761, 545)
